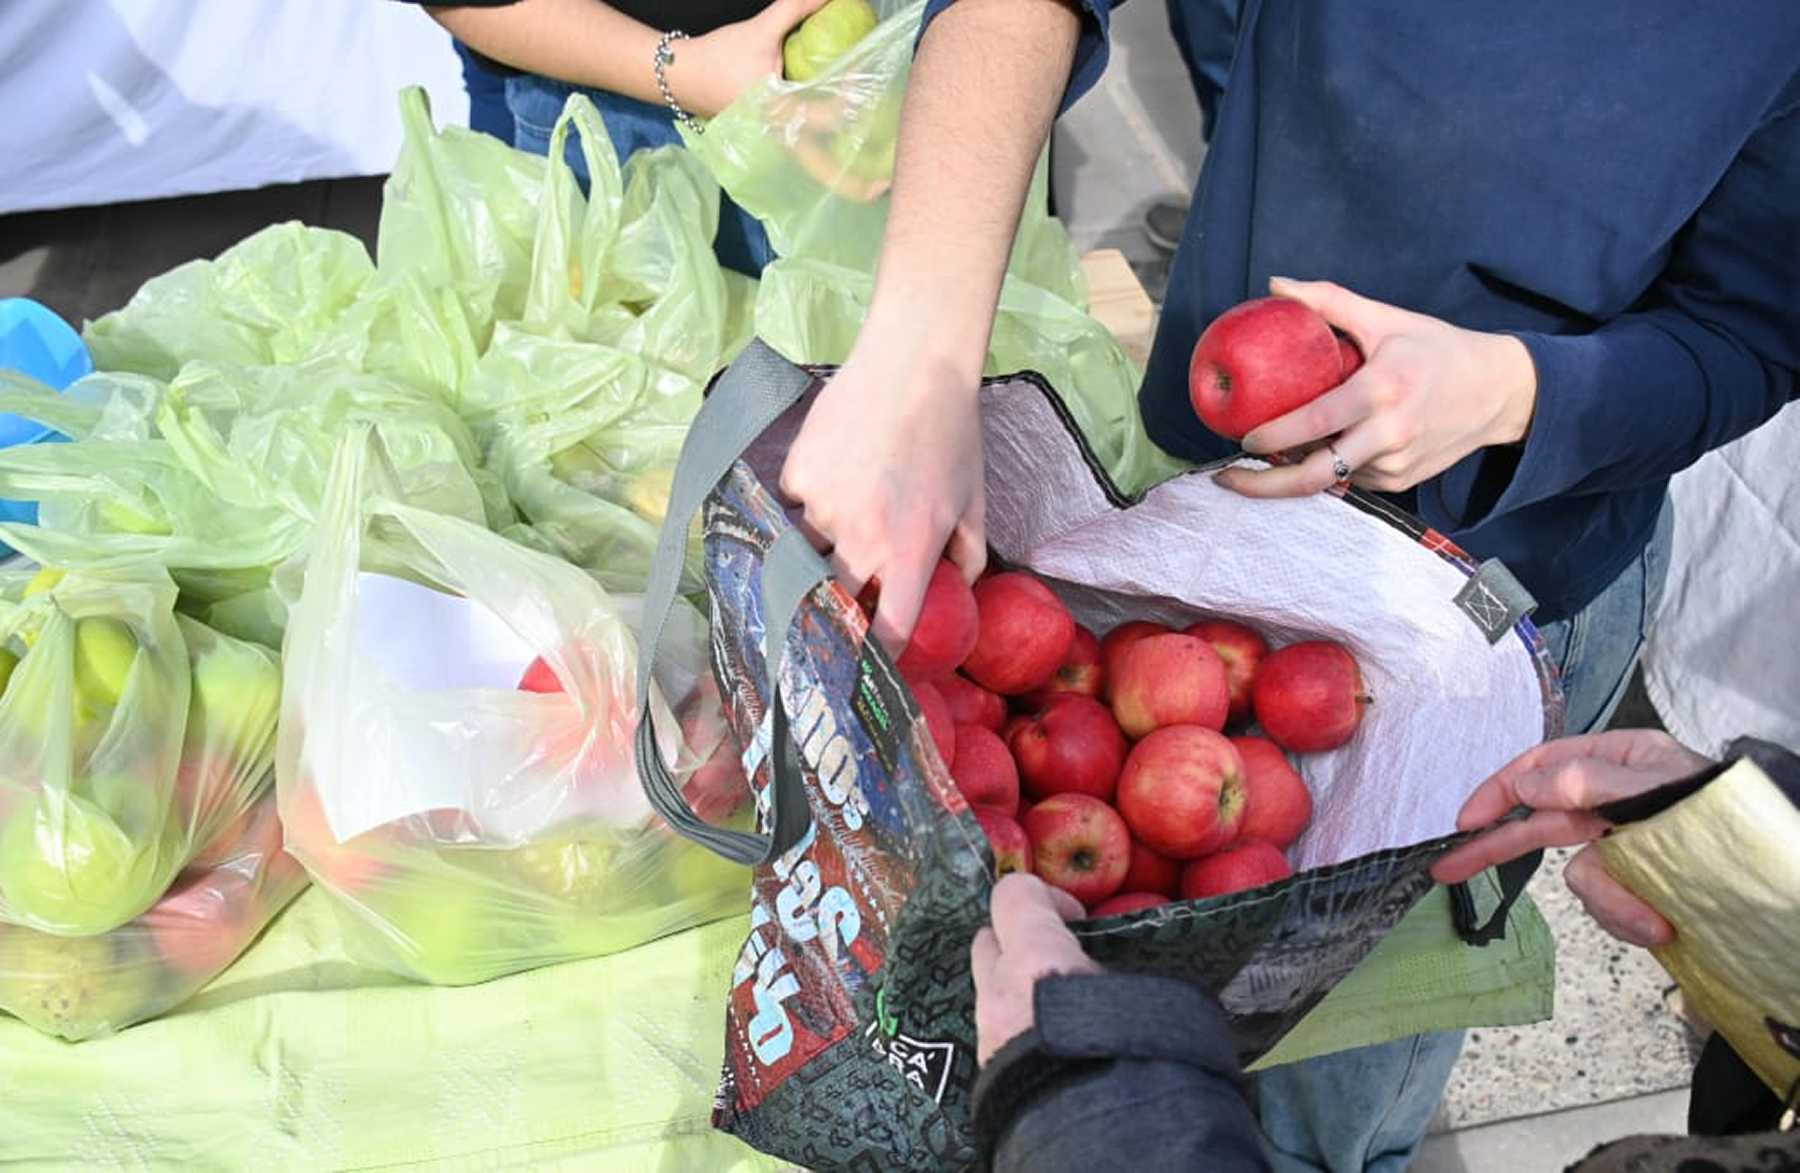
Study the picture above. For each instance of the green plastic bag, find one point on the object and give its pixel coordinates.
(813, 161)
(131, 740)
(469, 829)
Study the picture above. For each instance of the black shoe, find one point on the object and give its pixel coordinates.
(1164, 223)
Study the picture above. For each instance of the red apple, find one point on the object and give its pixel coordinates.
(937, 718)
(1260, 360)
(1350, 359)
(1079, 674)
(946, 628)
(1248, 865)
(1080, 845)
(1012, 850)
(1150, 872)
(1025, 634)
(984, 771)
(1013, 724)
(1170, 680)
(1114, 645)
(1073, 747)
(1242, 650)
(1277, 804)
(198, 925)
(539, 677)
(971, 704)
(1309, 696)
(1182, 791)
(1126, 902)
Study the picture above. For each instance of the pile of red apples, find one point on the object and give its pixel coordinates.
(1131, 769)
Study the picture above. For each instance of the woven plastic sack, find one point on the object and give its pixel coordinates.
(850, 1023)
(814, 160)
(80, 988)
(130, 737)
(468, 829)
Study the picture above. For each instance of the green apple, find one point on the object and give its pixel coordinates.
(569, 870)
(695, 873)
(581, 466)
(440, 937)
(825, 36)
(8, 662)
(66, 867)
(236, 696)
(104, 652)
(72, 987)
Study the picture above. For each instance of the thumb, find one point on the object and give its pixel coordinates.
(1366, 321)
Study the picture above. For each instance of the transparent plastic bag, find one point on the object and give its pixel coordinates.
(814, 160)
(131, 740)
(466, 829)
(82, 987)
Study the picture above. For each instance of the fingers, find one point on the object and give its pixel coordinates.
(1025, 913)
(1511, 840)
(1335, 411)
(785, 14)
(968, 549)
(1316, 473)
(1366, 321)
(984, 956)
(1612, 905)
(902, 593)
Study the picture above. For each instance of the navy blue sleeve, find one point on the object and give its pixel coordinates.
(1090, 51)
(1711, 352)
(1119, 1071)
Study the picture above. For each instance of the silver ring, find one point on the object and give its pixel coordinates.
(1339, 468)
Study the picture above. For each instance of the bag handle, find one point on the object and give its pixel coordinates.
(752, 393)
(1513, 875)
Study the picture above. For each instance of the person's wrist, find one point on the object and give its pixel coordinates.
(694, 78)
(1515, 379)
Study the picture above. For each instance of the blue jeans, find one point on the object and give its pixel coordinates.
(487, 96)
(1368, 1108)
(536, 104)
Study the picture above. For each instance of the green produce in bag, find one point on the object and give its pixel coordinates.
(456, 761)
(813, 161)
(79, 988)
(91, 726)
(825, 36)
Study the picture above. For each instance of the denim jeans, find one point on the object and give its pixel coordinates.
(1368, 1108)
(537, 102)
(487, 96)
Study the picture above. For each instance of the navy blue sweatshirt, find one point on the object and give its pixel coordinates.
(1618, 184)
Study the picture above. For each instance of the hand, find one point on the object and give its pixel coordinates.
(1427, 395)
(1026, 941)
(1562, 781)
(710, 71)
(888, 469)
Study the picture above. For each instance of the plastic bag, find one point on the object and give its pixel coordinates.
(130, 739)
(813, 161)
(466, 827)
(82, 987)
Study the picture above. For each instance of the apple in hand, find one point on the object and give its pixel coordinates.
(1260, 360)
(1079, 674)
(1126, 902)
(1114, 645)
(1182, 791)
(945, 631)
(1025, 633)
(826, 35)
(1012, 850)
(1150, 872)
(1349, 357)
(1245, 866)
(983, 771)
(1170, 680)
(1073, 747)
(937, 718)
(1309, 696)
(1079, 844)
(1242, 650)
(1277, 804)
(971, 704)
(539, 677)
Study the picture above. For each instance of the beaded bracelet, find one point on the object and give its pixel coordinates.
(665, 57)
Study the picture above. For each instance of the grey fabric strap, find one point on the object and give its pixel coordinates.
(749, 397)
(1495, 600)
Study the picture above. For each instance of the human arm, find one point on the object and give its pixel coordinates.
(888, 465)
(1086, 1070)
(589, 43)
(1710, 350)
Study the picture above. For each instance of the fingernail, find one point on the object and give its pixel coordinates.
(1642, 933)
(1277, 283)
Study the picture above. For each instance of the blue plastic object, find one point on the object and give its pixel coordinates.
(34, 341)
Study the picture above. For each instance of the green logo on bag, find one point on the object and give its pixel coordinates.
(890, 1025)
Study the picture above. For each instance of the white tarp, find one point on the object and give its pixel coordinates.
(108, 101)
(1724, 658)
